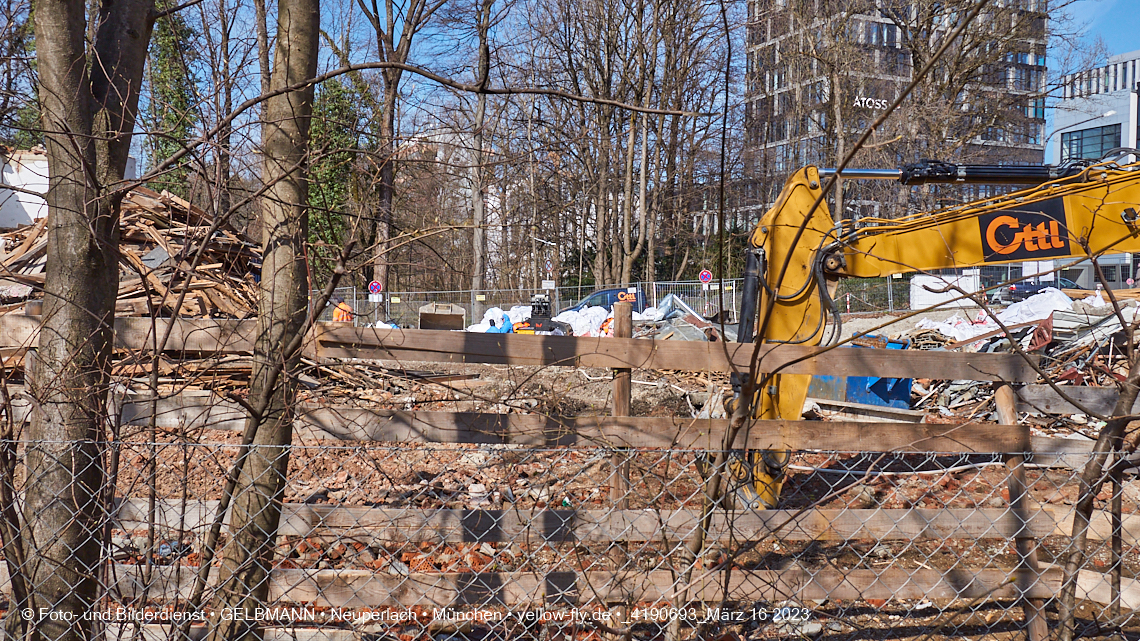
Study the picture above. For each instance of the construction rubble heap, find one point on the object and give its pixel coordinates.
(162, 236)
(1077, 335)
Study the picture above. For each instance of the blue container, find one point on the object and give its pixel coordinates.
(869, 390)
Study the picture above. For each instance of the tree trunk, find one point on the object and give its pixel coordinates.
(387, 191)
(88, 122)
(1092, 479)
(479, 237)
(248, 557)
(222, 183)
(262, 51)
(840, 139)
(627, 205)
(478, 218)
(642, 208)
(601, 276)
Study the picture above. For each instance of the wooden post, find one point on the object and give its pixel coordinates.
(623, 328)
(1036, 625)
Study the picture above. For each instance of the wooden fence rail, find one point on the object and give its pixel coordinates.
(414, 525)
(335, 340)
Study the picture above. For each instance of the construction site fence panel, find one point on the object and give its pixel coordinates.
(402, 307)
(855, 295)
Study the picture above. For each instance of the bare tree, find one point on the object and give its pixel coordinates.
(18, 108)
(247, 558)
(478, 218)
(408, 17)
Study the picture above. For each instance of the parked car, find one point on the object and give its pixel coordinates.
(1025, 289)
(607, 297)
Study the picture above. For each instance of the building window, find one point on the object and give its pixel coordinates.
(874, 34)
(1025, 79)
(1109, 273)
(897, 62)
(1089, 143)
(1033, 134)
(1074, 274)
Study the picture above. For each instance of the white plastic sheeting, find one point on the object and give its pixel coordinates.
(516, 315)
(1096, 300)
(1035, 308)
(587, 322)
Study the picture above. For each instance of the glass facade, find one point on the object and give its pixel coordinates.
(1089, 143)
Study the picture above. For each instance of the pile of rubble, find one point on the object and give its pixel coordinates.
(161, 235)
(1081, 343)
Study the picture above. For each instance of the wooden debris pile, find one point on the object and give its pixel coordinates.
(161, 236)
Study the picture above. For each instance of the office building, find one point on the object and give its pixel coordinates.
(797, 51)
(1097, 111)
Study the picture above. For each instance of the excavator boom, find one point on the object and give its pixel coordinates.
(797, 253)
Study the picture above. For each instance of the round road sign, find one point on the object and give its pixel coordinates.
(375, 287)
(705, 276)
(549, 265)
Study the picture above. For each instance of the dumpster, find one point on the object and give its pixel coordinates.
(442, 316)
(869, 390)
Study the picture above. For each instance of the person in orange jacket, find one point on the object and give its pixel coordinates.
(342, 313)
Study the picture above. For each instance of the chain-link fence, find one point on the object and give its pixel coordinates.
(362, 310)
(855, 295)
(385, 541)
(704, 298)
(403, 308)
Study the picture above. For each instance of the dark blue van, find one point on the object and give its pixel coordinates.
(607, 297)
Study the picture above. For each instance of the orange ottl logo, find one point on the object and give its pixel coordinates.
(1033, 231)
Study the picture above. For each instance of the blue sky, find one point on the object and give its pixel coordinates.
(1116, 21)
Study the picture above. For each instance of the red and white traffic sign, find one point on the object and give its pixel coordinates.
(705, 276)
(375, 287)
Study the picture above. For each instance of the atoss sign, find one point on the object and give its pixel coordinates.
(1029, 232)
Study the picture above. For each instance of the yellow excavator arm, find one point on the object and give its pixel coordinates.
(797, 254)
